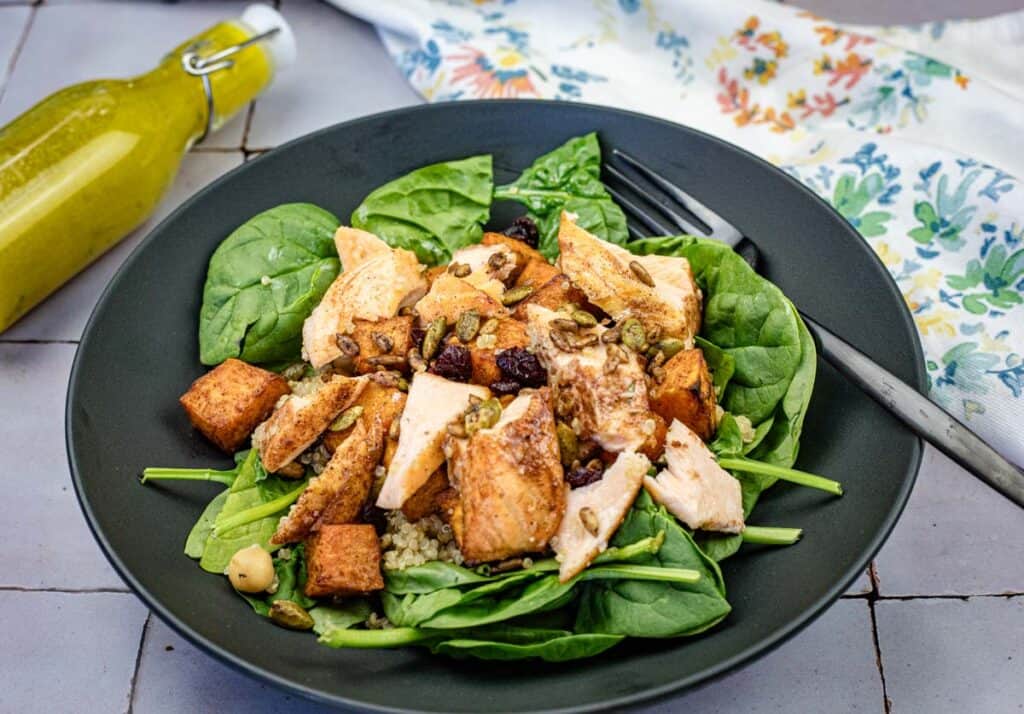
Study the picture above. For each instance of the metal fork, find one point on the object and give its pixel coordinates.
(675, 211)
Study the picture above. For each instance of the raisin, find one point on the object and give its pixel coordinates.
(524, 229)
(522, 366)
(376, 517)
(583, 475)
(506, 386)
(453, 363)
(418, 333)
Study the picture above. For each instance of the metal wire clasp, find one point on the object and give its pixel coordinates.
(199, 66)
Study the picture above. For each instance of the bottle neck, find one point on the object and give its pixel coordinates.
(232, 87)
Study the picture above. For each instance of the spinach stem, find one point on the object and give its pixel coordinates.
(171, 474)
(371, 639)
(801, 478)
(257, 512)
(766, 535)
(640, 572)
(514, 193)
(644, 546)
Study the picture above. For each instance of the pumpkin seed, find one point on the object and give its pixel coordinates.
(583, 318)
(487, 342)
(641, 273)
(347, 418)
(659, 374)
(467, 325)
(386, 361)
(432, 338)
(563, 404)
(611, 335)
(497, 261)
(459, 270)
(346, 344)
(514, 295)
(671, 347)
(584, 341)
(589, 520)
(633, 334)
(561, 340)
(483, 416)
(568, 443)
(290, 615)
(564, 324)
(416, 360)
(294, 372)
(653, 333)
(384, 343)
(489, 327)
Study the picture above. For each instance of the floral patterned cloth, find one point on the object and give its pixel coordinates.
(913, 134)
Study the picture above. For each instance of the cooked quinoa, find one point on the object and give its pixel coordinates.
(407, 544)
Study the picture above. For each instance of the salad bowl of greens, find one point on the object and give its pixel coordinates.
(664, 607)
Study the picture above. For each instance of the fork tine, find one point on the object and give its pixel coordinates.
(680, 221)
(639, 214)
(721, 229)
(635, 232)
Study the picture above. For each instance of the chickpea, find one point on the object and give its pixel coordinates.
(251, 570)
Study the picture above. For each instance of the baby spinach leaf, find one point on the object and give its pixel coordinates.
(655, 609)
(432, 211)
(291, 580)
(195, 544)
(262, 283)
(560, 648)
(567, 179)
(245, 493)
(720, 362)
(340, 616)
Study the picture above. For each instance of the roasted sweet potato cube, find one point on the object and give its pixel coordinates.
(525, 255)
(373, 336)
(431, 274)
(449, 297)
(553, 294)
(227, 402)
(449, 508)
(654, 447)
(424, 502)
(687, 393)
(483, 354)
(343, 560)
(536, 273)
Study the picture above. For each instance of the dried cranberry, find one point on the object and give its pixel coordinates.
(522, 366)
(524, 229)
(376, 517)
(506, 386)
(583, 475)
(453, 363)
(417, 334)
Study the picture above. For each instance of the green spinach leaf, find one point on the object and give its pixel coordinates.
(263, 281)
(720, 362)
(568, 179)
(247, 492)
(195, 544)
(341, 616)
(655, 609)
(432, 211)
(560, 647)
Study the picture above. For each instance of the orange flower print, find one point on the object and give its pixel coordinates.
(504, 78)
(773, 41)
(745, 35)
(796, 100)
(961, 80)
(852, 69)
(831, 35)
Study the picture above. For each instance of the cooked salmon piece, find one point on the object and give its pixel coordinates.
(510, 482)
(491, 267)
(375, 289)
(449, 297)
(356, 246)
(694, 488)
(341, 490)
(602, 271)
(230, 400)
(433, 403)
(687, 393)
(484, 349)
(594, 512)
(609, 407)
(343, 560)
(302, 418)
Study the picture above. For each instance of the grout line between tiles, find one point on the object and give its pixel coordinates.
(249, 112)
(871, 599)
(9, 71)
(138, 662)
(5, 341)
(65, 591)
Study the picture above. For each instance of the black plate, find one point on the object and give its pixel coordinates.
(139, 353)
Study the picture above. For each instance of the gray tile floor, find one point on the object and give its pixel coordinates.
(935, 627)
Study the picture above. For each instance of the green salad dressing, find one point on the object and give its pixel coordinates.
(85, 166)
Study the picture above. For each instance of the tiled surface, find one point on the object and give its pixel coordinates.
(68, 652)
(988, 630)
(937, 653)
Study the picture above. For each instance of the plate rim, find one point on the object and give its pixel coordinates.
(701, 678)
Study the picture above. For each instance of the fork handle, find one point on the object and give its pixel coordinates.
(923, 416)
